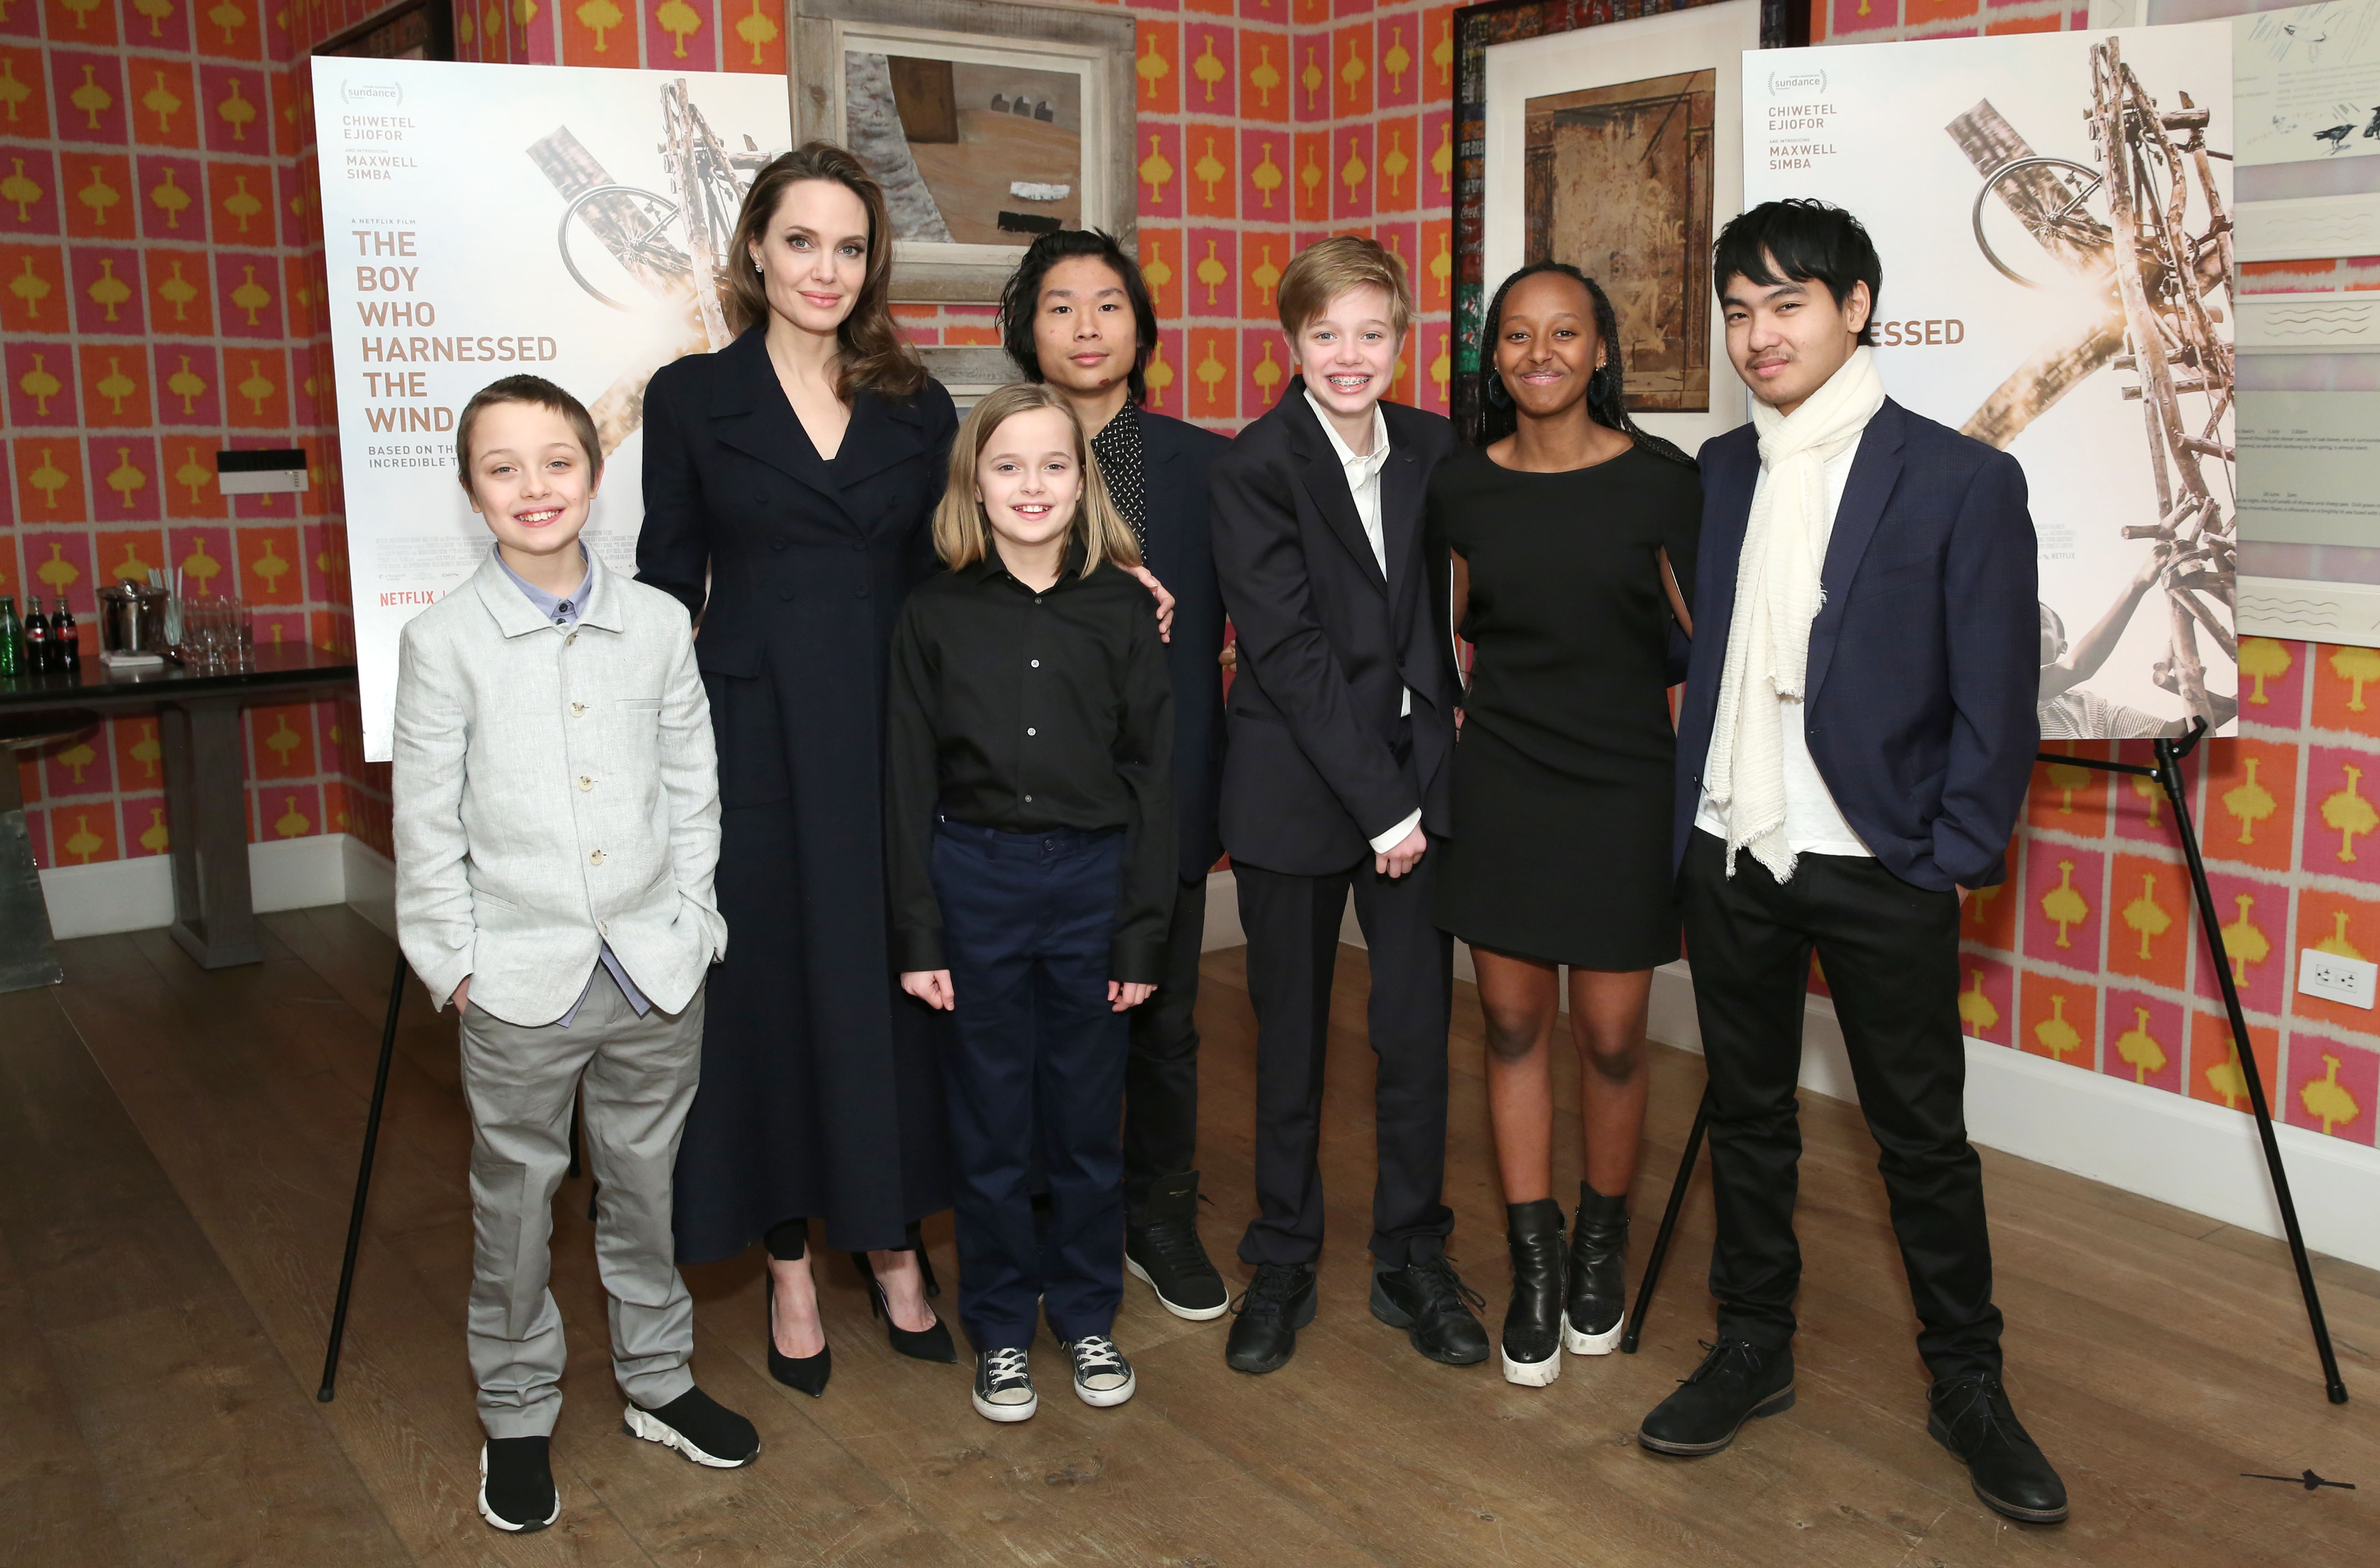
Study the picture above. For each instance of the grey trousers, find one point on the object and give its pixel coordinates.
(640, 1075)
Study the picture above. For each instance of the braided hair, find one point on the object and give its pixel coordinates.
(1605, 397)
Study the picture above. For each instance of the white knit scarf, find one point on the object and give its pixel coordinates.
(1777, 593)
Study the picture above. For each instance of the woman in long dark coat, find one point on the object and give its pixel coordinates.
(789, 480)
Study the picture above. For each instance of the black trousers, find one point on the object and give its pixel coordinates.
(1890, 951)
(1293, 930)
(1161, 1075)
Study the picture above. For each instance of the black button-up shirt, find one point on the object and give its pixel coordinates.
(1026, 711)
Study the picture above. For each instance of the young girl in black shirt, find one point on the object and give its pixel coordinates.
(1030, 836)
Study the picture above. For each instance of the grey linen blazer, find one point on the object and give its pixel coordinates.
(556, 788)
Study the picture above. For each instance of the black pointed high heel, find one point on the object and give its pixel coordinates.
(806, 1373)
(930, 1344)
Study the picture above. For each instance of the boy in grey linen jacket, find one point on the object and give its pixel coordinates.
(557, 830)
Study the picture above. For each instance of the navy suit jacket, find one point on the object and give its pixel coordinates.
(1173, 465)
(1924, 661)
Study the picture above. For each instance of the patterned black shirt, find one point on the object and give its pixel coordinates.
(1117, 447)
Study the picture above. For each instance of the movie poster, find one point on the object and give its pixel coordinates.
(487, 220)
(2052, 210)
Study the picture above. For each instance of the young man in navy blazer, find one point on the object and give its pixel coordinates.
(1853, 748)
(1342, 722)
(1076, 316)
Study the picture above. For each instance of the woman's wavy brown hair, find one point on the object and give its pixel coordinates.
(874, 356)
(962, 532)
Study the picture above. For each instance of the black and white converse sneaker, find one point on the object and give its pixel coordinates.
(516, 1485)
(698, 1427)
(1003, 1386)
(1103, 1377)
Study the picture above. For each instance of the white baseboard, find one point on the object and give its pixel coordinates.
(2150, 1142)
(138, 893)
(371, 885)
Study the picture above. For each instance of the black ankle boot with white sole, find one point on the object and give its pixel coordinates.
(1103, 1377)
(1003, 1386)
(516, 1484)
(1599, 1274)
(1533, 1322)
(698, 1427)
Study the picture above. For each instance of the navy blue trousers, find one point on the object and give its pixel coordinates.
(1033, 1068)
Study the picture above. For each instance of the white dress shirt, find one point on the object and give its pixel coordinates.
(1814, 826)
(1364, 485)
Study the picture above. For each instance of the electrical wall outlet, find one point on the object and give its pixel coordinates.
(2350, 981)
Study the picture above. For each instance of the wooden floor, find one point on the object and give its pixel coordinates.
(176, 1150)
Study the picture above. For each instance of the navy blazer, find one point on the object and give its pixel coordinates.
(1924, 661)
(1173, 465)
(1328, 644)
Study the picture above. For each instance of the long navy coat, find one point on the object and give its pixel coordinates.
(820, 1094)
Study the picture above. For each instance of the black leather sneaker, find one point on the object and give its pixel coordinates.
(1161, 1247)
(698, 1427)
(1970, 1415)
(1428, 1300)
(1278, 1303)
(1736, 1381)
(516, 1485)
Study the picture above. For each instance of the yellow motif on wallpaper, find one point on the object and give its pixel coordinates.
(2337, 941)
(525, 12)
(13, 93)
(1210, 370)
(193, 475)
(83, 843)
(115, 386)
(1395, 165)
(132, 566)
(2063, 905)
(241, 204)
(2065, 778)
(677, 19)
(1155, 170)
(1396, 61)
(1208, 68)
(2149, 790)
(1264, 75)
(2226, 1078)
(1208, 168)
(2138, 1047)
(1265, 373)
(292, 823)
(1158, 375)
(1441, 265)
(2328, 1099)
(1442, 369)
(1351, 173)
(251, 295)
(128, 478)
(598, 16)
(1441, 162)
(146, 751)
(237, 111)
(2347, 813)
(1266, 177)
(199, 566)
(77, 758)
(178, 290)
(256, 387)
(229, 17)
(1311, 176)
(162, 101)
(91, 98)
(2355, 665)
(754, 28)
(1264, 274)
(47, 478)
(1352, 73)
(154, 837)
(2250, 803)
(1975, 1010)
(1212, 272)
(283, 740)
(2055, 1034)
(31, 287)
(19, 192)
(1442, 53)
(40, 385)
(2145, 915)
(2245, 940)
(170, 198)
(108, 291)
(1311, 77)
(58, 573)
(272, 568)
(82, 10)
(1151, 67)
(2262, 660)
(156, 11)
(99, 196)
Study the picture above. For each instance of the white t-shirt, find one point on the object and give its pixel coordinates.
(1814, 826)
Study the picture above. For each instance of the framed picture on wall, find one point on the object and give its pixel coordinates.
(1612, 143)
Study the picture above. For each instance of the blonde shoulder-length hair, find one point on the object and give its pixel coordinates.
(962, 532)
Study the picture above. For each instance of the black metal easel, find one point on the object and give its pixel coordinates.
(2168, 774)
(363, 1185)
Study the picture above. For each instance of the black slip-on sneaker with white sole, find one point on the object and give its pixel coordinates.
(1103, 1377)
(698, 1427)
(516, 1491)
(1003, 1386)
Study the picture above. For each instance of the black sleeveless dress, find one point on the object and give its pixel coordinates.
(1564, 776)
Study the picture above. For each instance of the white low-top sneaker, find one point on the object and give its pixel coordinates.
(1003, 1386)
(1102, 1376)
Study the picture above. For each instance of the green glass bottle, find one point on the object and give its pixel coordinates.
(12, 639)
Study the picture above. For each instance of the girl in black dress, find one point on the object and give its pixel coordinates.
(1565, 532)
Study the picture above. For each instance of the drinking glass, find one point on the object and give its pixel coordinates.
(243, 634)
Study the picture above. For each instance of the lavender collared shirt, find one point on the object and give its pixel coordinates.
(566, 612)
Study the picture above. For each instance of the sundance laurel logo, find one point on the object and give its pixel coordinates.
(379, 94)
(1796, 82)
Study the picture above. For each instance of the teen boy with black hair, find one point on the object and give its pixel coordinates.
(1852, 750)
(1342, 728)
(1076, 316)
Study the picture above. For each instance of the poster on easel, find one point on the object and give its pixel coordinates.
(2058, 279)
(487, 221)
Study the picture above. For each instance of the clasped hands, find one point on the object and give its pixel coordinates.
(932, 986)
